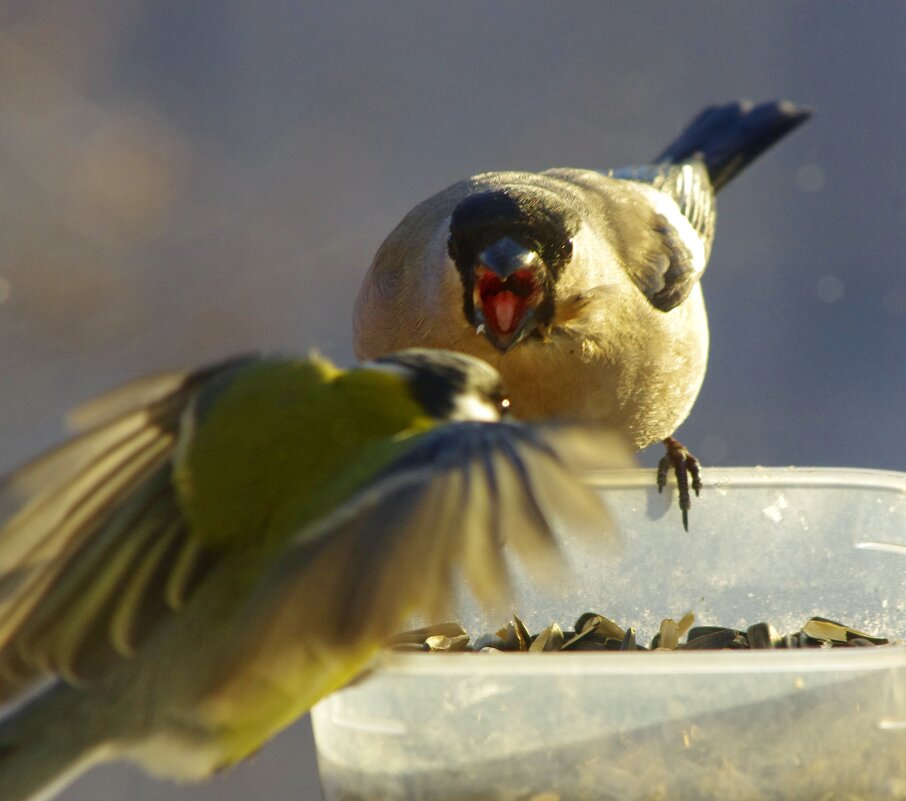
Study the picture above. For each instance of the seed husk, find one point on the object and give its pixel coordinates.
(548, 639)
(820, 628)
(440, 642)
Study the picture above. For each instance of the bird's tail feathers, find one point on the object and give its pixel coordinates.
(729, 137)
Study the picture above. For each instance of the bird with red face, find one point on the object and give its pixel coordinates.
(582, 287)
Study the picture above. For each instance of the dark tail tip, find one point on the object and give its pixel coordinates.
(729, 137)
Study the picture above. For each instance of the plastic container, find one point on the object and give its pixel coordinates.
(776, 545)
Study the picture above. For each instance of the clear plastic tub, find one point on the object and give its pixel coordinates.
(776, 545)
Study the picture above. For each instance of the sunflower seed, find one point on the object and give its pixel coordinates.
(762, 635)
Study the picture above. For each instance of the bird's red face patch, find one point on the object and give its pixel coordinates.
(504, 302)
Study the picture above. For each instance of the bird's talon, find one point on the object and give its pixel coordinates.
(684, 465)
(662, 468)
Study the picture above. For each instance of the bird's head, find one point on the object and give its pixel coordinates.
(449, 386)
(509, 246)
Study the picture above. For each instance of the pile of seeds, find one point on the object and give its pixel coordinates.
(594, 632)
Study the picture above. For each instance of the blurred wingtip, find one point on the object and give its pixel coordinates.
(584, 448)
(130, 397)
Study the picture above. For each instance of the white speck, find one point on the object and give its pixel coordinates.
(829, 288)
(6, 289)
(810, 177)
(774, 512)
(479, 329)
(885, 603)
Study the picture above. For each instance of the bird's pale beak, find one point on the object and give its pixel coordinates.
(506, 292)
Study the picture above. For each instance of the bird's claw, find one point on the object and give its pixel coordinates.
(684, 466)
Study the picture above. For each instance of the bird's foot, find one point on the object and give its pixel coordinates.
(684, 465)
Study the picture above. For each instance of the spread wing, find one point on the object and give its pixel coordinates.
(98, 553)
(443, 510)
(93, 547)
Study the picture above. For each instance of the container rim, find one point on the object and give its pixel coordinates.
(758, 476)
(616, 663)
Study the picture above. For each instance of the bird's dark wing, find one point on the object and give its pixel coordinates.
(659, 252)
(657, 240)
(715, 146)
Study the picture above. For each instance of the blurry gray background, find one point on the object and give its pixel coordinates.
(184, 180)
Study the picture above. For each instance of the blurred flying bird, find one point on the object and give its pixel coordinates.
(220, 549)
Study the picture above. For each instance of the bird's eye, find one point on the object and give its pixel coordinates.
(567, 249)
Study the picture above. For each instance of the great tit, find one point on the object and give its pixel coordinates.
(580, 286)
(222, 548)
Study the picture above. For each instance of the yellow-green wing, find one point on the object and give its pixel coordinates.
(93, 545)
(446, 507)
